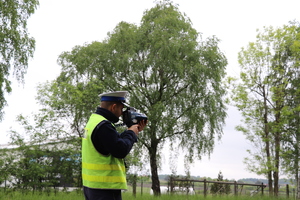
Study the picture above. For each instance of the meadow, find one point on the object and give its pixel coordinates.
(77, 195)
(142, 193)
(126, 196)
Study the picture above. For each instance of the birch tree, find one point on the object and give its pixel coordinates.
(267, 72)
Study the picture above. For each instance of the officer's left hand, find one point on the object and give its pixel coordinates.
(142, 125)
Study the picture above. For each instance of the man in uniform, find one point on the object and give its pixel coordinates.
(103, 149)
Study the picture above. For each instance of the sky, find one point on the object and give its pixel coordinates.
(60, 25)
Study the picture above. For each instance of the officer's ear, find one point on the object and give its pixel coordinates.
(113, 107)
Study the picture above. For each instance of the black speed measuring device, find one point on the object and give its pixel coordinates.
(131, 117)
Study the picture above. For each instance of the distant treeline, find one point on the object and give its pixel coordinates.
(244, 180)
(265, 181)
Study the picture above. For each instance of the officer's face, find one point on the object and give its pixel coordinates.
(118, 109)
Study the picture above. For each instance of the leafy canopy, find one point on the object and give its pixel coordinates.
(15, 44)
(171, 74)
(172, 77)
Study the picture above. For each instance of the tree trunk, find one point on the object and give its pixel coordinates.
(269, 174)
(276, 186)
(276, 170)
(270, 183)
(277, 137)
(297, 178)
(153, 164)
(297, 171)
(267, 143)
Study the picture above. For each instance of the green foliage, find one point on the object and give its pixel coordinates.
(171, 75)
(268, 98)
(39, 160)
(290, 148)
(180, 184)
(218, 188)
(69, 100)
(16, 47)
(6, 167)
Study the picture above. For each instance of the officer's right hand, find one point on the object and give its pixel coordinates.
(134, 128)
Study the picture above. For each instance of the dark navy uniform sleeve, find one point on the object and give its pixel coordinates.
(107, 140)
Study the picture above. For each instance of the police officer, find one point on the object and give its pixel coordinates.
(103, 149)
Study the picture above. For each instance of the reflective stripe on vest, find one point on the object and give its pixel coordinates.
(99, 171)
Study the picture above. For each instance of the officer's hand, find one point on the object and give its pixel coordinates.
(138, 127)
(142, 125)
(134, 128)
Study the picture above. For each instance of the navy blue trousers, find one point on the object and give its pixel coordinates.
(100, 194)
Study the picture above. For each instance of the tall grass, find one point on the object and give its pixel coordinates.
(142, 194)
(129, 196)
(77, 195)
(41, 196)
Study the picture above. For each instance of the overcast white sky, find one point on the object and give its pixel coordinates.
(59, 25)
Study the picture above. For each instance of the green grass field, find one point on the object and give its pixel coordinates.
(142, 194)
(126, 196)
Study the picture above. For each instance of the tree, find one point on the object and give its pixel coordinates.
(267, 71)
(219, 188)
(41, 159)
(68, 105)
(291, 146)
(6, 163)
(16, 47)
(171, 76)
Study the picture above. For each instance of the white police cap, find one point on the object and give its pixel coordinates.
(113, 96)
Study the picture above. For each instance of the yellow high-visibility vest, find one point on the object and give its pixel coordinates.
(100, 171)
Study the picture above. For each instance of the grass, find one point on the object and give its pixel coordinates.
(78, 195)
(43, 196)
(126, 196)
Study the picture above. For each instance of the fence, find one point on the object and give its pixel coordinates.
(190, 186)
(238, 187)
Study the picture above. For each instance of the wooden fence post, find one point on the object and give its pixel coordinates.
(134, 185)
(142, 185)
(205, 187)
(235, 188)
(171, 185)
(262, 188)
(287, 191)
